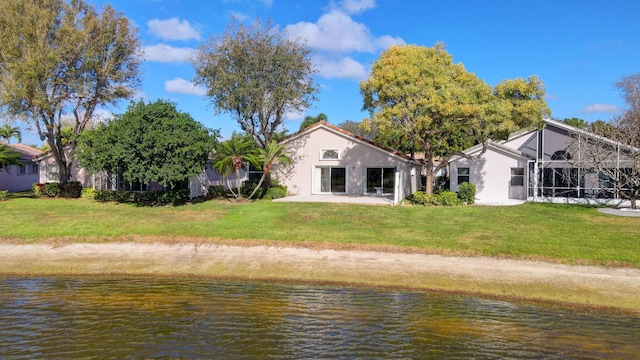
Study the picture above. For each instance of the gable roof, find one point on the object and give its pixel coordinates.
(359, 139)
(27, 152)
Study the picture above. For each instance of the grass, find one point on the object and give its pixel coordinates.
(549, 232)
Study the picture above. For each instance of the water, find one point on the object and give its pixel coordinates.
(201, 318)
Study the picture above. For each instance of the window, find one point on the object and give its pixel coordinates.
(380, 180)
(332, 179)
(33, 169)
(517, 176)
(254, 173)
(329, 155)
(21, 169)
(463, 175)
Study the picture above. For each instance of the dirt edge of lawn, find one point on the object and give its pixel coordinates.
(589, 287)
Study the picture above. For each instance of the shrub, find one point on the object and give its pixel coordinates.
(445, 198)
(71, 190)
(275, 192)
(38, 189)
(51, 190)
(216, 191)
(4, 194)
(105, 195)
(247, 189)
(88, 193)
(174, 197)
(467, 193)
(448, 198)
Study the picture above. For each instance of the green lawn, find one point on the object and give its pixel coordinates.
(568, 234)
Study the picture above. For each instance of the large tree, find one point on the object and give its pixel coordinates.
(150, 142)
(611, 151)
(64, 59)
(258, 75)
(437, 105)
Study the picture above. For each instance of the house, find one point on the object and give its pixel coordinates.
(327, 160)
(22, 176)
(531, 165)
(49, 172)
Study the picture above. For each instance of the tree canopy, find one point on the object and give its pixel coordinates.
(7, 132)
(150, 142)
(8, 156)
(440, 107)
(310, 120)
(62, 58)
(614, 152)
(257, 75)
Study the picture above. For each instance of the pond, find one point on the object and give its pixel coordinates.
(148, 317)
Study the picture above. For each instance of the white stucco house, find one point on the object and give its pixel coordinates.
(534, 166)
(22, 176)
(327, 160)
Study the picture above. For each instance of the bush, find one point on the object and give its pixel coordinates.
(448, 198)
(247, 189)
(71, 190)
(445, 198)
(275, 192)
(174, 197)
(216, 191)
(38, 189)
(467, 193)
(51, 190)
(88, 193)
(4, 194)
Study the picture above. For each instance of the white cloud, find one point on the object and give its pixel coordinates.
(167, 53)
(343, 68)
(601, 108)
(173, 29)
(337, 32)
(334, 31)
(182, 86)
(384, 42)
(357, 6)
(294, 115)
(236, 15)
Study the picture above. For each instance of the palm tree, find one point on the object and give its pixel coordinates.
(274, 153)
(231, 155)
(8, 131)
(310, 120)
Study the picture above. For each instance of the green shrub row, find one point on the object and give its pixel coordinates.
(144, 198)
(4, 194)
(72, 189)
(465, 196)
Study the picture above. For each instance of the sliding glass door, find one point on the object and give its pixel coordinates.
(332, 179)
(380, 180)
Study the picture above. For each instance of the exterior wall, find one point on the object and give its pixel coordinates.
(10, 177)
(356, 157)
(491, 174)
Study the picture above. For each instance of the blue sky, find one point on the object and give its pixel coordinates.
(578, 48)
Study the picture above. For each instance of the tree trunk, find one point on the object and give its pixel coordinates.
(238, 183)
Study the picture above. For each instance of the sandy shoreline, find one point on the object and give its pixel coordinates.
(531, 280)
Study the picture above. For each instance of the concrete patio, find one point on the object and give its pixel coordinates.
(367, 200)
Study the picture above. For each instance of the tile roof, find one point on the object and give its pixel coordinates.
(349, 134)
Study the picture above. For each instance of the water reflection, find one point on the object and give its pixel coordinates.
(196, 318)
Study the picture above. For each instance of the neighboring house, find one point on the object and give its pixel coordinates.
(49, 172)
(331, 161)
(531, 165)
(21, 177)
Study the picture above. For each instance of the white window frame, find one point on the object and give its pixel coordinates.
(324, 151)
(22, 170)
(33, 169)
(517, 176)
